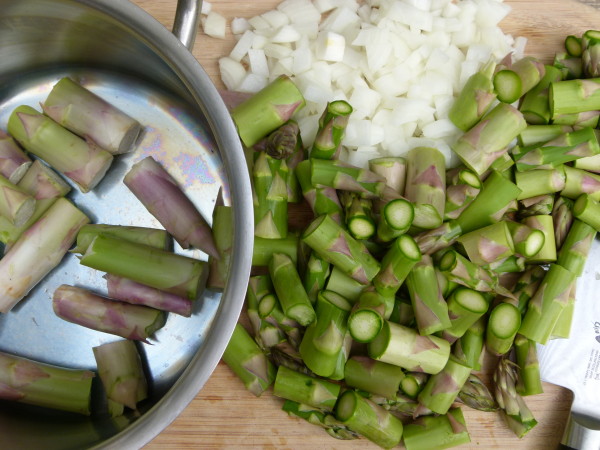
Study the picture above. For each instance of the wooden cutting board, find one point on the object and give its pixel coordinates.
(225, 415)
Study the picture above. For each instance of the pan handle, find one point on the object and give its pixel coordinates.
(579, 437)
(187, 18)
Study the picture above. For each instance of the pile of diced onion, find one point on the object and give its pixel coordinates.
(399, 63)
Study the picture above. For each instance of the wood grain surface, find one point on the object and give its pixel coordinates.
(225, 415)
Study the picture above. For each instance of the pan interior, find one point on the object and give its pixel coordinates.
(177, 136)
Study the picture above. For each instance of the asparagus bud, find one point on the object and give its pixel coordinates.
(13, 161)
(85, 308)
(332, 126)
(83, 162)
(120, 369)
(36, 383)
(39, 250)
(476, 395)
(162, 197)
(84, 113)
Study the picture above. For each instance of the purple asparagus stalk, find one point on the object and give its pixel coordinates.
(13, 161)
(139, 294)
(90, 310)
(120, 369)
(39, 250)
(165, 200)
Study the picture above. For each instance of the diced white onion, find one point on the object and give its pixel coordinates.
(205, 8)
(239, 25)
(399, 63)
(214, 25)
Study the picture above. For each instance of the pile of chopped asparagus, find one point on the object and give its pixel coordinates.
(372, 320)
(78, 135)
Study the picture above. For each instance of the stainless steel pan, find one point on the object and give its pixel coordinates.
(123, 54)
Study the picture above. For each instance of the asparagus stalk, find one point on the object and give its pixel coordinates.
(45, 186)
(573, 45)
(396, 264)
(366, 317)
(538, 134)
(369, 419)
(35, 383)
(245, 358)
(578, 120)
(431, 311)
(533, 183)
(525, 287)
(425, 178)
(290, 290)
(343, 176)
(475, 98)
(562, 328)
(83, 162)
(437, 432)
(469, 347)
(305, 389)
(39, 250)
(565, 148)
(264, 248)
(503, 325)
(536, 206)
(578, 182)
(403, 313)
(267, 110)
(546, 305)
(332, 127)
(514, 410)
(376, 377)
(514, 82)
(590, 53)
(166, 271)
(269, 197)
(562, 217)
(441, 389)
(392, 169)
(488, 244)
(465, 307)
(90, 310)
(574, 252)
(545, 224)
(16, 204)
(527, 241)
(586, 209)
(223, 237)
(315, 278)
(397, 216)
(267, 322)
(535, 105)
(153, 237)
(574, 96)
(121, 372)
(479, 147)
(344, 285)
(86, 114)
(458, 197)
(156, 189)
(13, 161)
(529, 382)
(487, 208)
(571, 67)
(590, 164)
(327, 421)
(459, 269)
(323, 340)
(476, 395)
(336, 246)
(404, 347)
(358, 215)
(321, 199)
(129, 291)
(413, 383)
